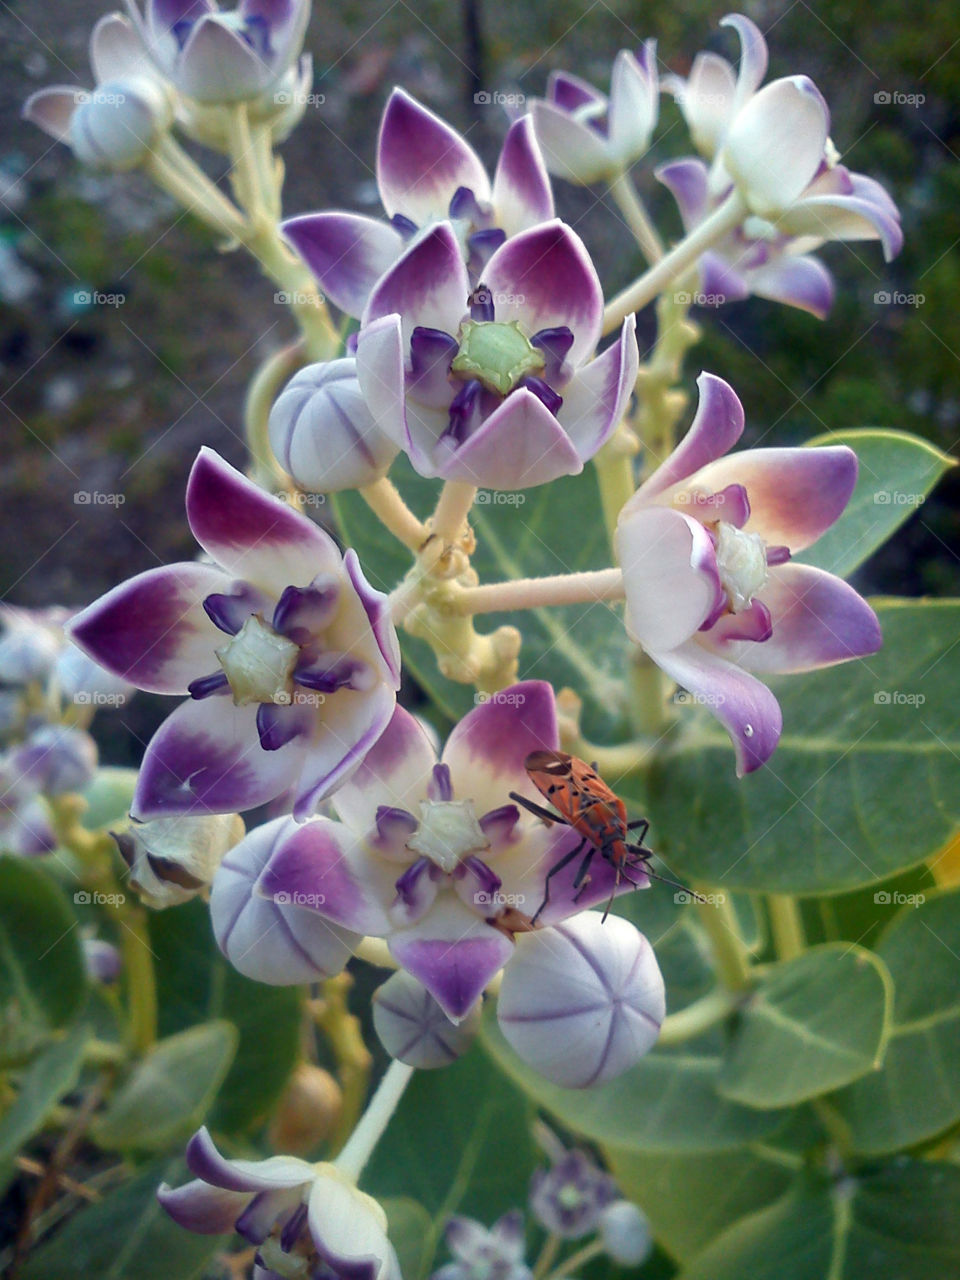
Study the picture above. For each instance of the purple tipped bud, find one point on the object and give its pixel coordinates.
(414, 1029)
(625, 1233)
(102, 960)
(582, 1002)
(57, 760)
(323, 433)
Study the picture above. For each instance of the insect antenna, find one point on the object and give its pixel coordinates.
(643, 855)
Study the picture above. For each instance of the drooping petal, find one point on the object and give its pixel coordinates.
(376, 607)
(521, 444)
(51, 110)
(596, 398)
(453, 953)
(278, 1172)
(217, 65)
(350, 724)
(669, 575)
(116, 50)
(421, 161)
(349, 1231)
(522, 196)
(206, 757)
(267, 940)
(753, 57)
(776, 143)
(347, 253)
(201, 1208)
(548, 279)
(745, 706)
(321, 866)
(571, 150)
(152, 630)
(717, 427)
(251, 534)
(795, 494)
(798, 280)
(395, 772)
(686, 180)
(487, 748)
(817, 620)
(427, 286)
(634, 103)
(706, 99)
(844, 218)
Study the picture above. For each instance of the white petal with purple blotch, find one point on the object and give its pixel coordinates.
(571, 149)
(776, 143)
(347, 253)
(347, 726)
(717, 427)
(520, 445)
(596, 398)
(395, 772)
(428, 286)
(522, 196)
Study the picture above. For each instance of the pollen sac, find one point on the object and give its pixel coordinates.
(414, 1029)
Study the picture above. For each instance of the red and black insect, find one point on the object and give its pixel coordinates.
(583, 801)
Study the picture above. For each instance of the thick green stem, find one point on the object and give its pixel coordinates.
(698, 1018)
(577, 1260)
(616, 479)
(719, 920)
(643, 290)
(636, 217)
(141, 984)
(786, 924)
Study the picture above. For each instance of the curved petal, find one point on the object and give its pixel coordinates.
(251, 534)
(716, 428)
(421, 162)
(350, 724)
(745, 707)
(428, 286)
(522, 196)
(376, 607)
(571, 93)
(320, 866)
(795, 494)
(799, 281)
(487, 748)
(844, 218)
(263, 939)
(596, 398)
(721, 281)
(634, 102)
(395, 772)
(152, 630)
(776, 143)
(348, 1229)
(51, 110)
(116, 50)
(753, 57)
(686, 180)
(347, 253)
(206, 758)
(571, 150)
(706, 99)
(201, 1208)
(552, 281)
(520, 445)
(453, 953)
(669, 575)
(818, 620)
(276, 1173)
(218, 65)
(380, 372)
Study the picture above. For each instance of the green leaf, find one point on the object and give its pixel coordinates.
(109, 797)
(126, 1236)
(556, 528)
(195, 983)
(897, 471)
(409, 1227)
(43, 982)
(459, 1142)
(813, 1024)
(170, 1090)
(917, 1094)
(54, 1073)
(827, 813)
(723, 1186)
(901, 1223)
(668, 1103)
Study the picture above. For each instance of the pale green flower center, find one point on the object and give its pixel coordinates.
(448, 832)
(259, 664)
(742, 564)
(496, 354)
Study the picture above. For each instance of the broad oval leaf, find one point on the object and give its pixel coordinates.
(169, 1091)
(828, 811)
(897, 471)
(814, 1023)
(917, 1093)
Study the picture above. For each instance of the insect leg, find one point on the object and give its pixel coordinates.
(538, 810)
(564, 861)
(642, 825)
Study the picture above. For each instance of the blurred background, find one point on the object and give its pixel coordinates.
(118, 398)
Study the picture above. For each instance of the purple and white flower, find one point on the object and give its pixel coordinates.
(289, 656)
(705, 546)
(426, 173)
(481, 1253)
(216, 56)
(495, 386)
(568, 1198)
(587, 137)
(26, 828)
(116, 125)
(287, 1208)
(773, 146)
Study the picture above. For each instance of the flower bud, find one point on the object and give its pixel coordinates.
(281, 107)
(625, 1233)
(172, 859)
(28, 646)
(582, 1002)
(102, 960)
(57, 760)
(323, 433)
(307, 1112)
(414, 1029)
(116, 126)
